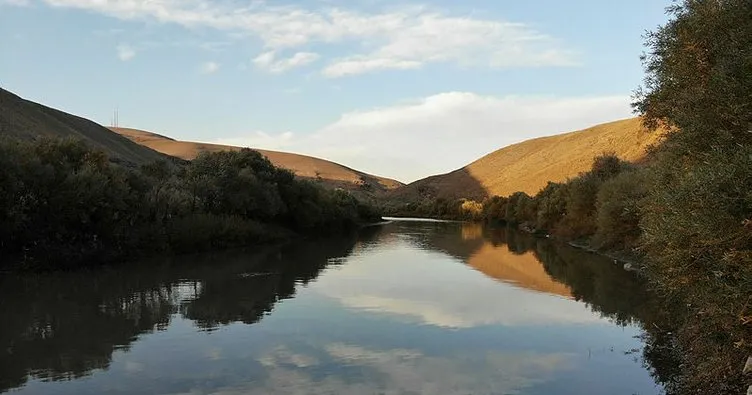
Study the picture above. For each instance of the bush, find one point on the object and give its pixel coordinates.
(204, 231)
(618, 210)
(698, 239)
(552, 206)
(579, 218)
(520, 208)
(495, 208)
(697, 223)
(471, 210)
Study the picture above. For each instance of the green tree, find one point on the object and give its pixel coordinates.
(618, 210)
(552, 206)
(698, 75)
(697, 209)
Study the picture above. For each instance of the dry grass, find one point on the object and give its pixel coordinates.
(301, 165)
(530, 165)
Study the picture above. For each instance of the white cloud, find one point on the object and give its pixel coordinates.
(394, 371)
(125, 52)
(267, 61)
(434, 37)
(440, 133)
(406, 38)
(364, 65)
(209, 68)
(484, 301)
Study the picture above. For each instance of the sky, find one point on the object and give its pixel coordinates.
(395, 88)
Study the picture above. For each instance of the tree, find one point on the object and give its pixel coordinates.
(618, 210)
(697, 76)
(696, 215)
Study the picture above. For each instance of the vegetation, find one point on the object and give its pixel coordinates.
(697, 212)
(598, 204)
(64, 204)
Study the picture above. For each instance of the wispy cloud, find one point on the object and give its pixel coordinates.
(407, 38)
(364, 64)
(267, 61)
(388, 370)
(125, 52)
(210, 67)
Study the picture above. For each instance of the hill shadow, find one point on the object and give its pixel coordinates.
(23, 119)
(442, 186)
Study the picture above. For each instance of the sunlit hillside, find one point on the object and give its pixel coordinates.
(530, 165)
(301, 165)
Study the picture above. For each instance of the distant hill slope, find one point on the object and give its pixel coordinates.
(303, 166)
(530, 165)
(24, 119)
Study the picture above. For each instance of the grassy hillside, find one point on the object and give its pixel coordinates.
(26, 120)
(328, 172)
(530, 165)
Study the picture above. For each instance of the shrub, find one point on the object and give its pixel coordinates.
(579, 218)
(618, 210)
(471, 210)
(552, 206)
(495, 208)
(698, 239)
(520, 208)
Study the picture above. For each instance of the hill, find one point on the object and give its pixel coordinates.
(24, 119)
(27, 120)
(530, 165)
(329, 173)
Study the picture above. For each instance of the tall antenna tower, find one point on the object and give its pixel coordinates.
(115, 121)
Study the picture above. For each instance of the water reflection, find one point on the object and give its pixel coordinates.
(409, 307)
(64, 326)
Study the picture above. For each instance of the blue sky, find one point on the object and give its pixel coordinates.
(398, 89)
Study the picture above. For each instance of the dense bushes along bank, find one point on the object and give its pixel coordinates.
(63, 204)
(602, 205)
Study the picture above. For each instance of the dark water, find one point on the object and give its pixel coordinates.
(404, 308)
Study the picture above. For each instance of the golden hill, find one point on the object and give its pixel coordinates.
(530, 165)
(331, 173)
(522, 270)
(498, 262)
(24, 119)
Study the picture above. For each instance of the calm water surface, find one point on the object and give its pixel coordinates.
(404, 308)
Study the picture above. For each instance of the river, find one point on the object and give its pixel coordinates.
(408, 307)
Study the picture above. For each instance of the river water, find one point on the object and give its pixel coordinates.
(409, 307)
